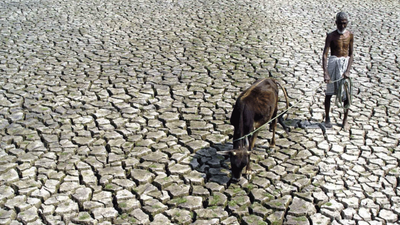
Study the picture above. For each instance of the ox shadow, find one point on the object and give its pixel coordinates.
(216, 167)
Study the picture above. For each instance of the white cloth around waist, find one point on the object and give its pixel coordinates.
(337, 66)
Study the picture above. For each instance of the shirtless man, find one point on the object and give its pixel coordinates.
(340, 43)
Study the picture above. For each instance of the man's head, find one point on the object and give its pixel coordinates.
(342, 16)
(341, 22)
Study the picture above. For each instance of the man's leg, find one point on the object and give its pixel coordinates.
(345, 124)
(327, 109)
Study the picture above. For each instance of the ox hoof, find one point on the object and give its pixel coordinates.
(248, 174)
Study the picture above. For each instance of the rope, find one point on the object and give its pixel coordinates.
(298, 101)
(345, 88)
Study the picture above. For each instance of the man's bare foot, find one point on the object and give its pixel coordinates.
(328, 123)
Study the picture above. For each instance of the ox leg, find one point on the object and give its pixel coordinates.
(253, 141)
(248, 127)
(249, 171)
(282, 123)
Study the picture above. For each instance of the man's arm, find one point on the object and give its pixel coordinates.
(325, 58)
(347, 73)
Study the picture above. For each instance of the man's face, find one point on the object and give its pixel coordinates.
(341, 24)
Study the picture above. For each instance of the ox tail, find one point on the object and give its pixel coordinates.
(286, 96)
(280, 119)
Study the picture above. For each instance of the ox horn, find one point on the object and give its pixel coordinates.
(223, 152)
(226, 152)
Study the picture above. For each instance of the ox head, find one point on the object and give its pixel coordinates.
(239, 159)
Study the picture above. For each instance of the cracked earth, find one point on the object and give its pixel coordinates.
(113, 112)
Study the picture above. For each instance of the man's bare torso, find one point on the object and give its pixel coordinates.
(339, 44)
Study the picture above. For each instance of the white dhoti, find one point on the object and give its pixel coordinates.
(336, 68)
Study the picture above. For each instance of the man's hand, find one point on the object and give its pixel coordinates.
(346, 75)
(327, 79)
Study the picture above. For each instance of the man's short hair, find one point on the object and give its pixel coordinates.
(341, 16)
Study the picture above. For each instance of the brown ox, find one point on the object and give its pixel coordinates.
(253, 108)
